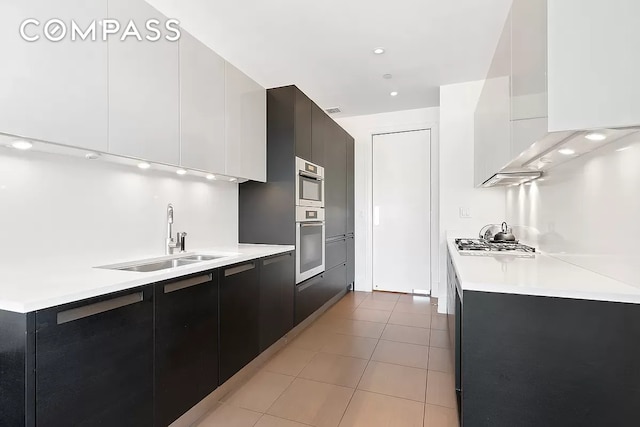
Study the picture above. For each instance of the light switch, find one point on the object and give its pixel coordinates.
(465, 212)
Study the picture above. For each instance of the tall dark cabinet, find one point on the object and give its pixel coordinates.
(297, 127)
(336, 182)
(351, 210)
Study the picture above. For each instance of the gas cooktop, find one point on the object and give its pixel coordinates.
(480, 245)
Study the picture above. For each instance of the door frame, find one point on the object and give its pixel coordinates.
(434, 193)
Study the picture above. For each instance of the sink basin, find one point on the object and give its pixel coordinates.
(158, 265)
(145, 266)
(198, 257)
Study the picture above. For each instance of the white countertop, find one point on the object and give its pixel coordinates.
(541, 275)
(47, 284)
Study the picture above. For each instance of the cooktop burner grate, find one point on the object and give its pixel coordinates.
(487, 246)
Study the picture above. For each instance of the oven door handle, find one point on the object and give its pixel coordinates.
(311, 175)
(312, 224)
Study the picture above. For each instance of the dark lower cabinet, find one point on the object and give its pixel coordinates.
(94, 362)
(335, 252)
(335, 281)
(315, 292)
(351, 260)
(186, 344)
(17, 357)
(239, 317)
(310, 296)
(277, 283)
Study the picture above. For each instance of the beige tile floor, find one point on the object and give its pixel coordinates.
(371, 360)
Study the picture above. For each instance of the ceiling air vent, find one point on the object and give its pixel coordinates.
(333, 110)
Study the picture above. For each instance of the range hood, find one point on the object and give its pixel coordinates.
(511, 178)
(556, 148)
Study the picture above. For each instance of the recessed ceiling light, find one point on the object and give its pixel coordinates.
(181, 172)
(211, 177)
(566, 151)
(623, 148)
(596, 136)
(378, 51)
(387, 76)
(91, 156)
(394, 93)
(144, 165)
(21, 144)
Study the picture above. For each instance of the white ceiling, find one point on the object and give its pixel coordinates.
(325, 47)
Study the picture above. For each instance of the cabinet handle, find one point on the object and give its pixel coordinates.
(187, 283)
(239, 269)
(309, 284)
(99, 307)
(276, 259)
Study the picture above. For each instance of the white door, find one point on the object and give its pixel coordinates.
(402, 211)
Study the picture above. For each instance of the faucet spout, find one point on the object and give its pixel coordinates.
(169, 222)
(170, 243)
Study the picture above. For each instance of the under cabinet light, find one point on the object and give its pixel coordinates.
(21, 144)
(144, 165)
(181, 172)
(596, 136)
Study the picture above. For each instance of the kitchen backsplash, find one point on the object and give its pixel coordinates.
(55, 206)
(586, 211)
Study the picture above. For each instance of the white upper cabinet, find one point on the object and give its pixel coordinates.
(529, 111)
(202, 106)
(172, 102)
(53, 91)
(492, 116)
(246, 123)
(594, 64)
(528, 59)
(144, 99)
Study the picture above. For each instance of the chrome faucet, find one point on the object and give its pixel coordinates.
(179, 241)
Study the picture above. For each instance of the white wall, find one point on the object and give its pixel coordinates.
(486, 205)
(362, 128)
(55, 206)
(586, 211)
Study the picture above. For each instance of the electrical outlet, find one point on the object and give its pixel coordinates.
(465, 212)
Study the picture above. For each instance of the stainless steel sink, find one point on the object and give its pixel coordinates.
(145, 266)
(158, 265)
(199, 257)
